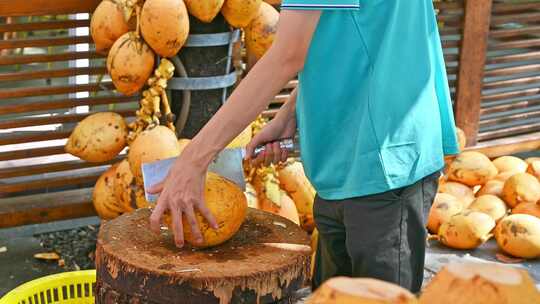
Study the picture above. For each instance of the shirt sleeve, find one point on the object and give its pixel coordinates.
(320, 4)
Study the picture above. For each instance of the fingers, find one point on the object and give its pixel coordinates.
(284, 155)
(207, 215)
(268, 154)
(193, 224)
(277, 152)
(156, 189)
(157, 214)
(178, 229)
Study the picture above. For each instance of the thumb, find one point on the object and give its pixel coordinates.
(155, 189)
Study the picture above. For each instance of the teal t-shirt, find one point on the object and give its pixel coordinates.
(373, 109)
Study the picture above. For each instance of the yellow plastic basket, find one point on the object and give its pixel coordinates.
(63, 288)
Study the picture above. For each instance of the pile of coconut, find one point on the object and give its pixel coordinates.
(480, 198)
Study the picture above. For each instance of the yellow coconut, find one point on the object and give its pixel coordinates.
(183, 142)
(458, 190)
(466, 230)
(98, 138)
(345, 290)
(490, 205)
(534, 169)
(227, 203)
(251, 196)
(519, 235)
(521, 188)
(462, 139)
(206, 10)
(123, 183)
(130, 63)
(493, 187)
(273, 2)
(242, 140)
(261, 31)
(480, 283)
(107, 25)
(293, 180)
(471, 168)
(271, 197)
(239, 13)
(165, 25)
(510, 164)
(443, 208)
(103, 196)
(152, 145)
(527, 208)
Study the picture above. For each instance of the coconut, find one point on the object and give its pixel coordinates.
(466, 230)
(490, 205)
(480, 283)
(227, 203)
(344, 290)
(103, 196)
(519, 235)
(293, 180)
(205, 11)
(273, 2)
(527, 208)
(165, 25)
(152, 145)
(107, 25)
(521, 188)
(462, 139)
(123, 183)
(251, 196)
(510, 163)
(493, 187)
(534, 169)
(443, 208)
(98, 138)
(458, 190)
(130, 63)
(471, 168)
(271, 197)
(261, 31)
(239, 13)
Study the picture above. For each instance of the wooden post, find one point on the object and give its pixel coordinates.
(471, 66)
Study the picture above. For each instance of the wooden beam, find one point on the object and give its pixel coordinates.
(508, 146)
(10, 8)
(471, 67)
(47, 207)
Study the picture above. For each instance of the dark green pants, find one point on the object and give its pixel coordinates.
(380, 236)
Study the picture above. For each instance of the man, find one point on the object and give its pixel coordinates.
(374, 116)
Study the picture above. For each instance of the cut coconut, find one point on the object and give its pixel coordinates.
(443, 208)
(344, 290)
(466, 230)
(490, 205)
(510, 164)
(471, 168)
(534, 169)
(519, 235)
(458, 190)
(480, 283)
(493, 187)
(521, 188)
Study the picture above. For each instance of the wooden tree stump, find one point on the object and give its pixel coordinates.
(267, 260)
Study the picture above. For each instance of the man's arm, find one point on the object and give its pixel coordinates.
(182, 191)
(267, 78)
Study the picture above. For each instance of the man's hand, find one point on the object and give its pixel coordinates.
(281, 127)
(182, 193)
